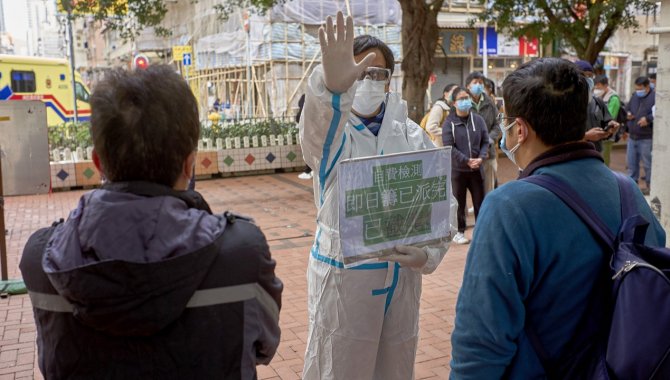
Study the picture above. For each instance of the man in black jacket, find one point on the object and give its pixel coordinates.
(142, 281)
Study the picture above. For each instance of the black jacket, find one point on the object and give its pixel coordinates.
(141, 283)
(641, 107)
(468, 141)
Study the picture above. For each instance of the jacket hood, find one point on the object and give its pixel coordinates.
(129, 263)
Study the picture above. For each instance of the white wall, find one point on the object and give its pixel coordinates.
(660, 180)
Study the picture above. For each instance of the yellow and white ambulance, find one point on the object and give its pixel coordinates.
(45, 79)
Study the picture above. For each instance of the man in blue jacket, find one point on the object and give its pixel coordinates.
(142, 281)
(640, 128)
(532, 260)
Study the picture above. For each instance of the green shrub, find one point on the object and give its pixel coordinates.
(73, 135)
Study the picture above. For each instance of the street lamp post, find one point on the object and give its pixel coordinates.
(70, 38)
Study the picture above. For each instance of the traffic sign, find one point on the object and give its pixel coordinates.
(178, 52)
(186, 60)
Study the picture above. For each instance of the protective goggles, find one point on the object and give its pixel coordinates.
(376, 74)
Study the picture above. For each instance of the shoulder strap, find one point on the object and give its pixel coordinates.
(576, 203)
(570, 197)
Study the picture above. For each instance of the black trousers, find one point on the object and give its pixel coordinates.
(461, 182)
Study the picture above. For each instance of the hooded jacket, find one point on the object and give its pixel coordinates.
(469, 140)
(144, 282)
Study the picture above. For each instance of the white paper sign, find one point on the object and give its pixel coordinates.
(399, 199)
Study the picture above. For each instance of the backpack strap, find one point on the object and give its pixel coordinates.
(570, 197)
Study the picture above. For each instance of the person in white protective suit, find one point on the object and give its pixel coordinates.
(364, 321)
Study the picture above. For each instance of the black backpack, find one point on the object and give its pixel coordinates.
(625, 332)
(622, 115)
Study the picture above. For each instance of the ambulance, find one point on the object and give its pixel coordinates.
(45, 79)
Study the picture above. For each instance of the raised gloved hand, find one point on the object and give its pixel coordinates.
(340, 70)
(408, 256)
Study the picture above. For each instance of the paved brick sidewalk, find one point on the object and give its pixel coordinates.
(283, 206)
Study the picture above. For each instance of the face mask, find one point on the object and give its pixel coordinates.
(598, 93)
(477, 89)
(591, 84)
(464, 105)
(652, 86)
(503, 144)
(641, 93)
(369, 96)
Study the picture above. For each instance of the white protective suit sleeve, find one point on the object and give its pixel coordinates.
(325, 115)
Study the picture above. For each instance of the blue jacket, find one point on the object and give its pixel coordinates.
(468, 141)
(641, 107)
(532, 258)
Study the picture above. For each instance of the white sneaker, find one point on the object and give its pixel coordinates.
(305, 175)
(471, 210)
(460, 239)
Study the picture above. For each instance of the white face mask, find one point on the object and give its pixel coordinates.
(369, 96)
(598, 92)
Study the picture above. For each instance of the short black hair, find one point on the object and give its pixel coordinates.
(552, 95)
(457, 90)
(449, 87)
(602, 79)
(642, 81)
(144, 124)
(652, 76)
(474, 75)
(488, 83)
(367, 42)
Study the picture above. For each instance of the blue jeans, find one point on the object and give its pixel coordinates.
(639, 149)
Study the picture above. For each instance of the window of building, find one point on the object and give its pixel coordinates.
(23, 81)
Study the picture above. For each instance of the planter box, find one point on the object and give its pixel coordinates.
(63, 174)
(86, 174)
(206, 162)
(292, 156)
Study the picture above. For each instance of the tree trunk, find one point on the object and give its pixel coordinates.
(419, 38)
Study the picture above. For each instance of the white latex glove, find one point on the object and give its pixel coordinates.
(407, 256)
(340, 70)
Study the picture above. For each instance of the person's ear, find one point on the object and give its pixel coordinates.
(523, 129)
(188, 171)
(96, 161)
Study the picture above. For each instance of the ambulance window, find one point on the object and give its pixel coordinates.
(23, 81)
(81, 92)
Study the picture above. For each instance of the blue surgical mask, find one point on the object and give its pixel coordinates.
(591, 84)
(503, 143)
(464, 105)
(640, 93)
(652, 85)
(477, 89)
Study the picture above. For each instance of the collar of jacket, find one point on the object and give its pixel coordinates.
(192, 198)
(562, 153)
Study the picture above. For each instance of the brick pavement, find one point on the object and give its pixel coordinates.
(283, 206)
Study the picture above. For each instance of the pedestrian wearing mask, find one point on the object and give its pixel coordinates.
(438, 113)
(485, 107)
(599, 123)
(363, 321)
(466, 132)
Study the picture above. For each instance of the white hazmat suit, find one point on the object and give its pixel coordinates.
(364, 321)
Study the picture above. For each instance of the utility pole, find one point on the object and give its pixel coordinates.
(660, 184)
(70, 38)
(3, 243)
